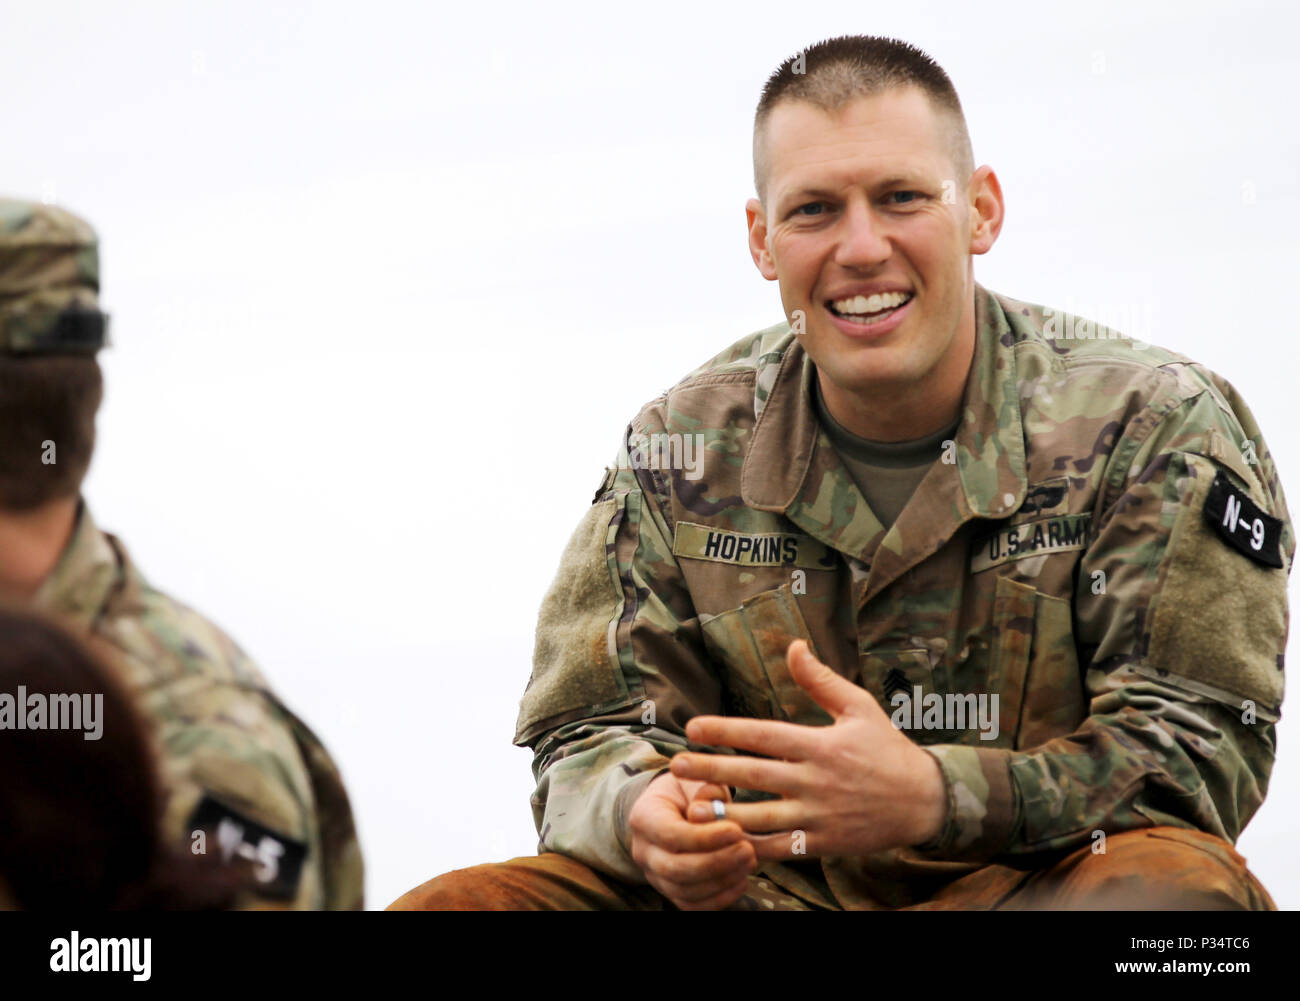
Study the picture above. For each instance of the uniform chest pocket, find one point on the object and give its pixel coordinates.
(902, 681)
(1022, 650)
(749, 644)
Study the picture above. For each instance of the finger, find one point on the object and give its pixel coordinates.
(758, 818)
(683, 869)
(711, 791)
(743, 772)
(725, 903)
(670, 830)
(719, 901)
(834, 693)
(781, 847)
(704, 797)
(767, 737)
(705, 889)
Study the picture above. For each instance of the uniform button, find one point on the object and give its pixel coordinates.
(1008, 500)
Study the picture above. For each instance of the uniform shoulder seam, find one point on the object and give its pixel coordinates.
(744, 375)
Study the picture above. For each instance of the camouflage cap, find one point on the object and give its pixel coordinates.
(49, 281)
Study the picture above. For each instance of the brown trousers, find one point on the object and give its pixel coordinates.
(1156, 868)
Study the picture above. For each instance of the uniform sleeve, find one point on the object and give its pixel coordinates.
(245, 778)
(342, 866)
(618, 670)
(1181, 634)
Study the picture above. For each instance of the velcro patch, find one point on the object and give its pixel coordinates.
(274, 861)
(1030, 538)
(1241, 523)
(764, 549)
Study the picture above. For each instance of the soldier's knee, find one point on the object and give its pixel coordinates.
(480, 887)
(546, 882)
(1156, 868)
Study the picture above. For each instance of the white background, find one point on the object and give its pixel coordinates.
(387, 282)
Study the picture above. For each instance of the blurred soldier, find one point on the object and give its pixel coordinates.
(244, 776)
(970, 603)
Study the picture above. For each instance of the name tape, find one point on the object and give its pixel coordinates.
(763, 549)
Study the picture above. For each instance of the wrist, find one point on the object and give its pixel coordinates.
(932, 810)
(626, 800)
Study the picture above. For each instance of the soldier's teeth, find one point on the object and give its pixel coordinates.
(862, 304)
(867, 321)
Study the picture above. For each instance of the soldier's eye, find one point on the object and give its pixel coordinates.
(818, 206)
(906, 196)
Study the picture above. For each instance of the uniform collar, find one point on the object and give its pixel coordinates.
(92, 567)
(792, 468)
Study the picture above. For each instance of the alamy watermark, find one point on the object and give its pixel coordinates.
(36, 711)
(75, 954)
(1114, 321)
(945, 712)
(662, 450)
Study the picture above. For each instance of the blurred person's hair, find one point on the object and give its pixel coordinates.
(81, 820)
(46, 399)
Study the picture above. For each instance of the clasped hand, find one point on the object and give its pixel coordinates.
(855, 787)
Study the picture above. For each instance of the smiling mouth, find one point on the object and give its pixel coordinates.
(868, 309)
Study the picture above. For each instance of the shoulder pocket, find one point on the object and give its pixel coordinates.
(1219, 619)
(576, 668)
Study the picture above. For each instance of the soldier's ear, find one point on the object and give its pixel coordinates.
(987, 210)
(756, 222)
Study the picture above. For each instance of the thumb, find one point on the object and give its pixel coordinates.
(711, 790)
(700, 809)
(835, 694)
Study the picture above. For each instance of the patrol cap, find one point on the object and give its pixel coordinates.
(49, 281)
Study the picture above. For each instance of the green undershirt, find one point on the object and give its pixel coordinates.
(887, 472)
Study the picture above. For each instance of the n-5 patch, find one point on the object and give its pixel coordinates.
(274, 861)
(1241, 524)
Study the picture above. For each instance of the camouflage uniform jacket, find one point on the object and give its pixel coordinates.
(235, 760)
(1061, 558)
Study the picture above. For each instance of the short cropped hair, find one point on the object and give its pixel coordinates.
(46, 400)
(836, 71)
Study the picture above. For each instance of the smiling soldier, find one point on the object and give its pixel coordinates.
(930, 493)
